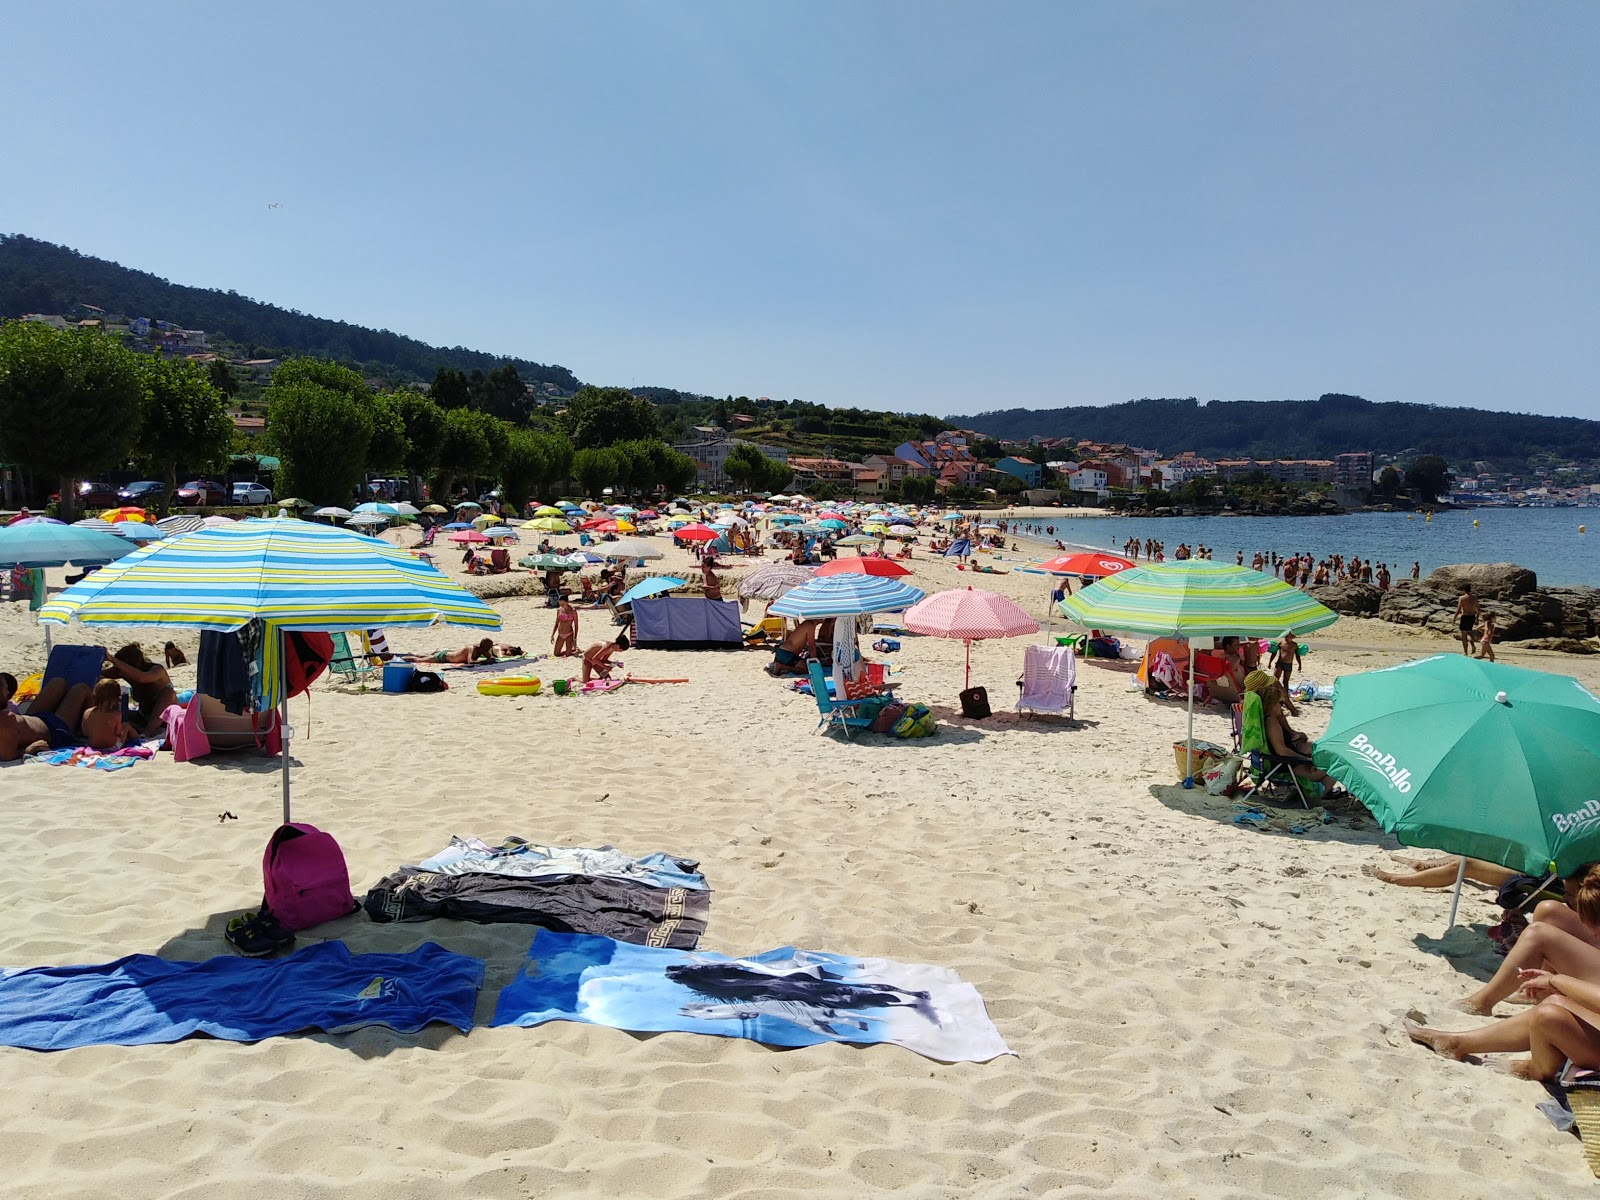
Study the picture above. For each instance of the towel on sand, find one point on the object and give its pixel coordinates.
(785, 997)
(142, 999)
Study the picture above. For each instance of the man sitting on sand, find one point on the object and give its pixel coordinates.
(50, 723)
(1467, 609)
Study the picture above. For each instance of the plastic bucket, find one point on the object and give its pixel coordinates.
(560, 686)
(397, 676)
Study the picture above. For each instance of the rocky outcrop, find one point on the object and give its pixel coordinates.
(1521, 610)
(1349, 599)
(1491, 581)
(1562, 644)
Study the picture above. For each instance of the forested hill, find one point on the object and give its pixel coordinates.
(41, 277)
(1301, 428)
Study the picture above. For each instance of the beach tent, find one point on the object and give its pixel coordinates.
(1196, 598)
(289, 575)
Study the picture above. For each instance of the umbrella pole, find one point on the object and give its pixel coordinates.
(283, 736)
(1455, 901)
(1188, 746)
(969, 663)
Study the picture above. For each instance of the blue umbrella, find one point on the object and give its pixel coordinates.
(31, 545)
(457, 525)
(373, 506)
(845, 596)
(649, 587)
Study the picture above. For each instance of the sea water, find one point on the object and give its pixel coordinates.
(1545, 540)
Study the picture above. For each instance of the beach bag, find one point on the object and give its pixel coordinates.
(916, 722)
(427, 681)
(886, 717)
(975, 703)
(305, 878)
(1220, 775)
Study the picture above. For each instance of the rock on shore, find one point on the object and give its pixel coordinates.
(1522, 610)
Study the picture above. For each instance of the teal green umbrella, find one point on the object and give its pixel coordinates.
(1474, 758)
(1196, 598)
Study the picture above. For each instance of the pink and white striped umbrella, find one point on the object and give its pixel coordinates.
(970, 614)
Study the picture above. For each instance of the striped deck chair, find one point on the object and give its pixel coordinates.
(1049, 680)
(358, 664)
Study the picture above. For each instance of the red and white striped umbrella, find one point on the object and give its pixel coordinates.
(970, 614)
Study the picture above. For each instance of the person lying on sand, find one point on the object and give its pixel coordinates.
(1441, 873)
(102, 725)
(485, 651)
(148, 682)
(50, 723)
(597, 658)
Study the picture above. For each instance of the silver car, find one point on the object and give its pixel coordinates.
(252, 493)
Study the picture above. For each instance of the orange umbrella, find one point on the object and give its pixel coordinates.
(123, 514)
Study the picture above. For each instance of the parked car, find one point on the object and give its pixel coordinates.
(144, 493)
(252, 493)
(202, 491)
(94, 495)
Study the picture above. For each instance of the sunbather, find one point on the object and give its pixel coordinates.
(8, 689)
(597, 658)
(1442, 873)
(148, 682)
(102, 725)
(1283, 739)
(1563, 938)
(797, 645)
(1564, 1023)
(50, 723)
(484, 651)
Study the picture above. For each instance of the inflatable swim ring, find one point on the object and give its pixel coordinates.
(510, 685)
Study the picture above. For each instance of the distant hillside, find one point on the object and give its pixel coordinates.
(41, 277)
(1303, 429)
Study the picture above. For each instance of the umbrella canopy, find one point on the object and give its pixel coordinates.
(37, 521)
(138, 531)
(406, 509)
(834, 523)
(884, 568)
(857, 539)
(37, 545)
(499, 533)
(1474, 758)
(176, 525)
(1097, 566)
(628, 549)
(969, 614)
(215, 522)
(468, 504)
(846, 596)
(289, 574)
(456, 525)
(334, 510)
(646, 588)
(1196, 598)
(486, 520)
(436, 509)
(126, 513)
(786, 518)
(552, 562)
(773, 580)
(548, 525)
(698, 533)
(297, 502)
(374, 506)
(468, 537)
(548, 510)
(369, 518)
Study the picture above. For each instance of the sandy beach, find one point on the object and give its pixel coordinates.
(1198, 1008)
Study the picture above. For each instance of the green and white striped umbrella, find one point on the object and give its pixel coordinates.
(1196, 598)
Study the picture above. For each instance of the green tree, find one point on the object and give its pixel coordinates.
(323, 374)
(221, 375)
(501, 393)
(464, 451)
(70, 403)
(450, 388)
(185, 420)
(322, 435)
(523, 467)
(423, 422)
(746, 466)
(1389, 481)
(1428, 477)
(595, 469)
(555, 460)
(390, 445)
(918, 489)
(602, 416)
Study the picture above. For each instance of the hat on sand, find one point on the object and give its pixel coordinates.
(1258, 681)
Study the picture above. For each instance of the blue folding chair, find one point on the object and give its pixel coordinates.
(845, 715)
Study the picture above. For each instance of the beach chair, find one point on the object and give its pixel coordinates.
(354, 664)
(1265, 766)
(765, 629)
(845, 716)
(1049, 680)
(427, 537)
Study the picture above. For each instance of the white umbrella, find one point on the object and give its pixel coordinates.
(628, 549)
(342, 514)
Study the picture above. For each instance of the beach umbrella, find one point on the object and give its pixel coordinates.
(436, 509)
(885, 568)
(649, 514)
(32, 544)
(857, 539)
(468, 504)
(951, 517)
(486, 520)
(970, 614)
(646, 588)
(214, 521)
(1094, 565)
(406, 509)
(456, 525)
(623, 525)
(368, 519)
(374, 506)
(1196, 598)
(833, 523)
(786, 518)
(176, 525)
(548, 510)
(126, 513)
(286, 573)
(1474, 758)
(773, 580)
(698, 533)
(845, 596)
(295, 502)
(623, 510)
(137, 531)
(499, 533)
(548, 525)
(551, 562)
(628, 549)
(96, 525)
(468, 537)
(37, 521)
(902, 534)
(334, 511)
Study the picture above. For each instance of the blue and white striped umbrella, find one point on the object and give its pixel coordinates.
(845, 596)
(375, 506)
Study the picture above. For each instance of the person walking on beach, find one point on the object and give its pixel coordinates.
(1288, 655)
(1486, 644)
(1467, 610)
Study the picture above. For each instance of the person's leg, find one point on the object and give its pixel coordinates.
(72, 704)
(1561, 1029)
(1443, 874)
(1542, 944)
(50, 695)
(1556, 913)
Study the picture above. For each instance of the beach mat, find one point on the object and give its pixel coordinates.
(141, 999)
(785, 997)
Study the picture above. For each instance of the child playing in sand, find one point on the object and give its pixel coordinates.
(102, 725)
(1486, 642)
(597, 658)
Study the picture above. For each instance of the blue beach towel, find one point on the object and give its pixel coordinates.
(142, 999)
(785, 997)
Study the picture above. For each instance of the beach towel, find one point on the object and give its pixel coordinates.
(1252, 724)
(519, 857)
(99, 760)
(612, 908)
(142, 999)
(785, 997)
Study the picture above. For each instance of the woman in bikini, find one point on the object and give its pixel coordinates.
(485, 651)
(149, 683)
(564, 636)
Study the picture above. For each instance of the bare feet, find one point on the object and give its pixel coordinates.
(1468, 1005)
(1437, 1040)
(1374, 871)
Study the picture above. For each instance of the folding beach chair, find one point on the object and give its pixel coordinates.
(354, 664)
(1264, 764)
(845, 715)
(1049, 680)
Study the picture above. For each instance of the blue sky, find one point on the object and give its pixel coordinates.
(912, 206)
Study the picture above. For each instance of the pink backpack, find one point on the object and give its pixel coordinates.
(306, 880)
